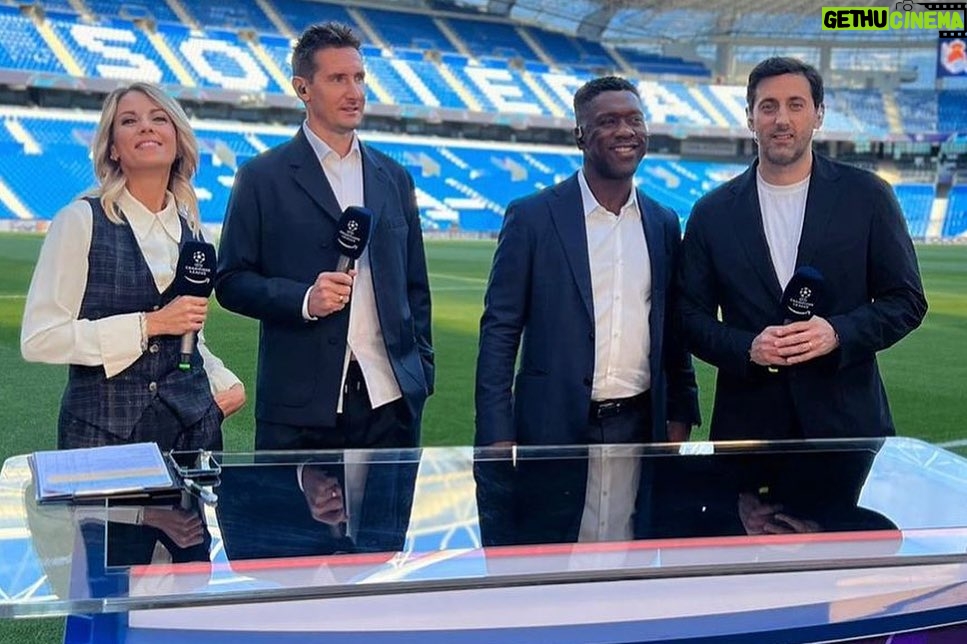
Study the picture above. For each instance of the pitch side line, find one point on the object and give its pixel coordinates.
(459, 278)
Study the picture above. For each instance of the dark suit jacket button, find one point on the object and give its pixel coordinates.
(333, 341)
(591, 336)
(587, 382)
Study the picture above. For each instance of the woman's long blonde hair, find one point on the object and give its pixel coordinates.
(109, 174)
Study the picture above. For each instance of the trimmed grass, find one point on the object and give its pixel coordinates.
(924, 373)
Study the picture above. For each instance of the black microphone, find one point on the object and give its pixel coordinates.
(195, 276)
(804, 290)
(352, 235)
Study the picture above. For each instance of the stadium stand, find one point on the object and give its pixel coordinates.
(22, 47)
(238, 15)
(916, 201)
(159, 12)
(955, 224)
(221, 59)
(300, 13)
(401, 30)
(496, 67)
(571, 52)
(462, 185)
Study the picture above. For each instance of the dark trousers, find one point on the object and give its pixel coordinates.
(632, 423)
(541, 500)
(359, 426)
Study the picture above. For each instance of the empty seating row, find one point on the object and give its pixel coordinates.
(461, 185)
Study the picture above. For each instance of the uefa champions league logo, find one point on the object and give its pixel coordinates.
(802, 306)
(347, 237)
(195, 269)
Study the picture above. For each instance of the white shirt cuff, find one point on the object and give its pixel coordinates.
(119, 337)
(305, 306)
(220, 378)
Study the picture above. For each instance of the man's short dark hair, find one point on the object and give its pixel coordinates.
(779, 65)
(590, 90)
(327, 35)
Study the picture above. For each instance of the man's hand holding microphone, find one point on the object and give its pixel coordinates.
(331, 293)
(332, 290)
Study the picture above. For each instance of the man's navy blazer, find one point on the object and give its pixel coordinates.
(854, 234)
(277, 238)
(539, 299)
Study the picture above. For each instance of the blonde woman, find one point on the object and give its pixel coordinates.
(100, 298)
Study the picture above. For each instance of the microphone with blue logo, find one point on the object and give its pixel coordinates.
(804, 290)
(194, 276)
(352, 235)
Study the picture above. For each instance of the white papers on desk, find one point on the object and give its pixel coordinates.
(97, 472)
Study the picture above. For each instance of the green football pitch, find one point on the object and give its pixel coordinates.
(925, 374)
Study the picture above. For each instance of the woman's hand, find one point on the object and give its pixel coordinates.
(179, 316)
(231, 400)
(185, 528)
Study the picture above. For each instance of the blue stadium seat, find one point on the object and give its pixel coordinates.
(21, 47)
(219, 59)
(461, 185)
(407, 30)
(114, 48)
(916, 200)
(657, 25)
(45, 183)
(955, 223)
(302, 13)
(392, 80)
(861, 111)
(918, 110)
(657, 64)
(160, 12)
(430, 76)
(952, 111)
(573, 52)
(231, 14)
(491, 39)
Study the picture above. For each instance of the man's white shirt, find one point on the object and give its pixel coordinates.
(621, 286)
(783, 212)
(365, 338)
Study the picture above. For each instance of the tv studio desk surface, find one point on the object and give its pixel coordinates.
(457, 544)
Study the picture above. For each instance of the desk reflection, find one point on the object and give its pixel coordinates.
(348, 502)
(541, 499)
(361, 501)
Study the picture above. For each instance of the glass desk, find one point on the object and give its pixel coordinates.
(773, 542)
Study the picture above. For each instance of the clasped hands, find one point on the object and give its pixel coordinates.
(762, 517)
(330, 293)
(795, 343)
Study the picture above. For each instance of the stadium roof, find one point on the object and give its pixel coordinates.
(668, 20)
